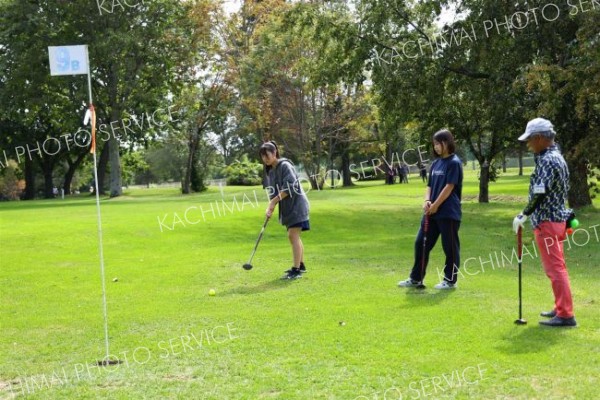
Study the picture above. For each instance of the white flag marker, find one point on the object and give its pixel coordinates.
(68, 60)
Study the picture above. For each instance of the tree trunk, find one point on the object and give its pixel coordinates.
(102, 165)
(114, 105)
(579, 190)
(48, 184)
(115, 167)
(197, 177)
(29, 180)
(313, 171)
(520, 160)
(504, 162)
(71, 171)
(484, 181)
(189, 167)
(346, 169)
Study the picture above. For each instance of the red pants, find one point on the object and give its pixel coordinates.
(549, 237)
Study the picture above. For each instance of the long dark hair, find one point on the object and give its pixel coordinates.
(445, 136)
(270, 147)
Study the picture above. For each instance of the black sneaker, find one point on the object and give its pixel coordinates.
(294, 273)
(302, 269)
(548, 314)
(559, 322)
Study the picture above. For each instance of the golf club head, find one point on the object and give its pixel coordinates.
(247, 267)
(521, 321)
(106, 362)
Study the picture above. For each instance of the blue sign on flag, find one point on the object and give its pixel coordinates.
(68, 60)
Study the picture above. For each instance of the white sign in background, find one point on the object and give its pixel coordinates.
(68, 60)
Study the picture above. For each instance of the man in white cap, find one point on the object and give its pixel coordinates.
(548, 189)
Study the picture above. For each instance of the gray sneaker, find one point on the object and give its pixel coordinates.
(443, 285)
(409, 283)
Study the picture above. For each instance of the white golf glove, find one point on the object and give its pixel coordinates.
(518, 222)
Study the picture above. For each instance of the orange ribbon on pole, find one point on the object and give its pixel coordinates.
(93, 146)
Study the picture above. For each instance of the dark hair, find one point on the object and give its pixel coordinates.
(270, 147)
(445, 136)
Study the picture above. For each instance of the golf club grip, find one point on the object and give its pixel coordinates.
(520, 258)
(520, 243)
(425, 229)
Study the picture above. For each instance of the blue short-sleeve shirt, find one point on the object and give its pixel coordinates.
(447, 171)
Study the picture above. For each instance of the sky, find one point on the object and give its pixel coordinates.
(232, 6)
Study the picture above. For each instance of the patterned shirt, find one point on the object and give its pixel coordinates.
(549, 185)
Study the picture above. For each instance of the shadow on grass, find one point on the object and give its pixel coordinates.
(532, 338)
(275, 284)
(425, 297)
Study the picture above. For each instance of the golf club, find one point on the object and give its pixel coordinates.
(108, 361)
(425, 230)
(248, 266)
(520, 321)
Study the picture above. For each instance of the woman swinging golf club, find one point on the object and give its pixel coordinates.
(284, 189)
(442, 214)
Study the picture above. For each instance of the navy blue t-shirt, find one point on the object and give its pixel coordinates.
(444, 171)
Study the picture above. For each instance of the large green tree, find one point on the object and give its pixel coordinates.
(483, 75)
(562, 82)
(37, 110)
(287, 86)
(135, 53)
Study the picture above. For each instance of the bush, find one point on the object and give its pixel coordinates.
(368, 174)
(9, 182)
(244, 172)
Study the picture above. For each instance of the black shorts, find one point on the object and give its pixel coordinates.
(305, 225)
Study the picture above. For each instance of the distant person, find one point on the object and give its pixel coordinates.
(405, 172)
(390, 176)
(442, 207)
(548, 187)
(400, 173)
(423, 172)
(285, 190)
(55, 191)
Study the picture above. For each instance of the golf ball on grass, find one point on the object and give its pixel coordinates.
(212, 292)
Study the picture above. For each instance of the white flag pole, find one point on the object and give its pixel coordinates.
(96, 189)
(75, 60)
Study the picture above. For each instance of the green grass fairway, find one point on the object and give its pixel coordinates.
(344, 331)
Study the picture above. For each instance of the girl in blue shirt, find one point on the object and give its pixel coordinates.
(442, 209)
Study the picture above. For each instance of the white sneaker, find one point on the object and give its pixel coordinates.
(409, 283)
(445, 285)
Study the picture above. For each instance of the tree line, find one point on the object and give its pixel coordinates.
(330, 81)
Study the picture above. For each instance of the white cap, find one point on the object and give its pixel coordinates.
(538, 125)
